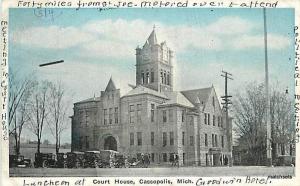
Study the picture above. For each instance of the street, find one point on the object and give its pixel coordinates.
(158, 171)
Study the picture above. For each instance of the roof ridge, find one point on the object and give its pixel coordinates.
(196, 89)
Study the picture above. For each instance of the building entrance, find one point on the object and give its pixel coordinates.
(110, 143)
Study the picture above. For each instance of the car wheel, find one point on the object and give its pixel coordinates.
(77, 165)
(45, 164)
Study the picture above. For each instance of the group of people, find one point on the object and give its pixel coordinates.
(145, 160)
(175, 160)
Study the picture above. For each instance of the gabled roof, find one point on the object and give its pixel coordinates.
(198, 95)
(177, 98)
(110, 86)
(144, 90)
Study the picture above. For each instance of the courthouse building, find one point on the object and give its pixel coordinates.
(153, 118)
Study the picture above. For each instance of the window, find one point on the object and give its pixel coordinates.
(131, 139)
(191, 120)
(164, 138)
(147, 77)
(131, 113)
(165, 158)
(208, 119)
(219, 121)
(165, 78)
(110, 115)
(80, 118)
(139, 138)
(191, 140)
(205, 118)
(86, 118)
(162, 77)
(182, 115)
(168, 79)
(213, 102)
(183, 138)
(171, 157)
(152, 112)
(152, 76)
(171, 115)
(222, 141)
(152, 157)
(143, 78)
(80, 142)
(87, 144)
(214, 120)
(213, 140)
(116, 114)
(164, 113)
(105, 116)
(171, 138)
(205, 140)
(139, 112)
(152, 138)
(216, 140)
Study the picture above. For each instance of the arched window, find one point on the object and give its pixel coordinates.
(152, 76)
(143, 77)
(168, 79)
(147, 77)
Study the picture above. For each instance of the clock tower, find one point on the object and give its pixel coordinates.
(154, 65)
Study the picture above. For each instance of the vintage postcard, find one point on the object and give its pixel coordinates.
(149, 93)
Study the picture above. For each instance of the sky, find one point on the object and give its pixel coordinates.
(96, 45)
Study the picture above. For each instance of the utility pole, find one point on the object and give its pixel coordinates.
(226, 103)
(268, 121)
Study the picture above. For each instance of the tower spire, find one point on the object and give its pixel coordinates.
(152, 40)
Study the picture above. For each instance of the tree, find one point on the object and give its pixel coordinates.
(281, 113)
(38, 110)
(18, 89)
(19, 95)
(57, 112)
(250, 120)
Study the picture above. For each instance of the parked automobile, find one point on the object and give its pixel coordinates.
(119, 161)
(132, 162)
(61, 160)
(285, 160)
(108, 158)
(92, 159)
(75, 159)
(45, 160)
(19, 161)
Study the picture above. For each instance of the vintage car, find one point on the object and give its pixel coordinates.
(75, 159)
(108, 158)
(132, 162)
(61, 160)
(92, 159)
(119, 161)
(285, 160)
(45, 160)
(19, 161)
